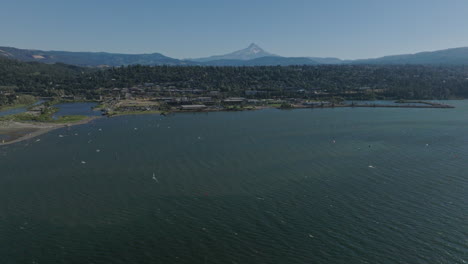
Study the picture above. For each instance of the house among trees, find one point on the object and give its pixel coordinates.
(192, 107)
(234, 100)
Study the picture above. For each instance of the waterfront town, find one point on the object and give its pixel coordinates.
(150, 98)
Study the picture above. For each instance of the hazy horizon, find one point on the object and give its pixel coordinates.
(183, 29)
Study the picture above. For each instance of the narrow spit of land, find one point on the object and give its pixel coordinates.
(20, 131)
(114, 107)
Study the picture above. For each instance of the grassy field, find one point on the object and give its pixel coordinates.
(20, 101)
(25, 117)
(69, 119)
(19, 117)
(9, 107)
(44, 116)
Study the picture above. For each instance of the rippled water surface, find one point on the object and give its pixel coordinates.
(344, 185)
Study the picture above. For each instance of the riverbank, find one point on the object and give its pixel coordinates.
(20, 131)
(314, 106)
(21, 101)
(17, 128)
(423, 105)
(11, 107)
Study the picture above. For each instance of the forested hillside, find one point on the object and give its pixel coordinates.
(409, 81)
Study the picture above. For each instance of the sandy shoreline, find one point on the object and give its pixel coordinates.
(8, 127)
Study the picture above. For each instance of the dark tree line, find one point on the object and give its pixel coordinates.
(401, 81)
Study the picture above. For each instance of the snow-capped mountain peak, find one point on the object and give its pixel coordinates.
(253, 51)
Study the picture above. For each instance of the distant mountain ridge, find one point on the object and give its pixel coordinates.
(253, 55)
(326, 60)
(93, 59)
(264, 61)
(454, 56)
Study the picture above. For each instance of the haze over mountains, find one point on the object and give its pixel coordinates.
(93, 59)
(253, 55)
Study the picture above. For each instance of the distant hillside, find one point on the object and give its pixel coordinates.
(347, 81)
(251, 56)
(263, 61)
(93, 59)
(326, 60)
(456, 56)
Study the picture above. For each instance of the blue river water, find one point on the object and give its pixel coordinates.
(343, 185)
(76, 109)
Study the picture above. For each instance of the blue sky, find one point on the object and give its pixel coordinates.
(196, 28)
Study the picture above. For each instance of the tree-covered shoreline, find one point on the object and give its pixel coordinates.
(392, 81)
